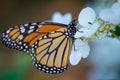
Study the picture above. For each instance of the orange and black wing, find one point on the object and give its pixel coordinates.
(49, 43)
(51, 51)
(22, 37)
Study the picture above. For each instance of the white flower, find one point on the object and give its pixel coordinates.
(112, 14)
(58, 17)
(115, 8)
(87, 31)
(86, 19)
(80, 50)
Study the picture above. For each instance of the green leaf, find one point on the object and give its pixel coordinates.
(117, 31)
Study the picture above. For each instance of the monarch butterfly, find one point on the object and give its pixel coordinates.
(48, 43)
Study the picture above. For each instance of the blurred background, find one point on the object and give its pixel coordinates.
(102, 64)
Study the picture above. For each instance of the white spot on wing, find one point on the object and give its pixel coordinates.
(22, 30)
(45, 36)
(31, 30)
(34, 23)
(20, 37)
(31, 27)
(22, 27)
(8, 31)
(25, 24)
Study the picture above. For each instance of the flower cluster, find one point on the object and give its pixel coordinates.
(90, 27)
(113, 14)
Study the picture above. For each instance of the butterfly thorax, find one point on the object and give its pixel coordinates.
(71, 29)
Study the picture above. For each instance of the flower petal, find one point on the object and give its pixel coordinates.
(79, 49)
(87, 32)
(85, 51)
(74, 57)
(115, 8)
(92, 30)
(67, 18)
(110, 15)
(82, 47)
(81, 32)
(58, 17)
(86, 17)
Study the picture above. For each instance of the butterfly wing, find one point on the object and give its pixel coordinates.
(51, 52)
(49, 43)
(22, 37)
